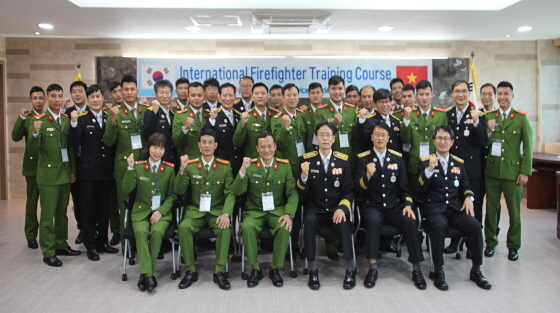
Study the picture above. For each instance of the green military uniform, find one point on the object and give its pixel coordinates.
(129, 123)
(215, 182)
(257, 181)
(345, 129)
(506, 160)
(187, 143)
(310, 120)
(55, 166)
(147, 183)
(246, 135)
(288, 139)
(29, 170)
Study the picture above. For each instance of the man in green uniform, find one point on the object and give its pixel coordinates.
(254, 122)
(124, 131)
(188, 123)
(29, 169)
(509, 165)
(272, 201)
(55, 172)
(182, 91)
(343, 116)
(309, 118)
(211, 183)
(418, 126)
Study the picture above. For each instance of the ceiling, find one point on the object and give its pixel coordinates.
(356, 19)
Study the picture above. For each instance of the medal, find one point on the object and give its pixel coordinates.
(337, 183)
(466, 133)
(393, 178)
(388, 159)
(318, 162)
(456, 183)
(374, 159)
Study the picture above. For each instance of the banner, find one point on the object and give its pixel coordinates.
(300, 71)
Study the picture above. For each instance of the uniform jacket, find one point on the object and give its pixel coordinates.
(326, 112)
(225, 130)
(157, 123)
(30, 155)
(188, 143)
(363, 132)
(287, 138)
(246, 135)
(310, 120)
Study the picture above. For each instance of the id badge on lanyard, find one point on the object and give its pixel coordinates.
(300, 149)
(156, 201)
(424, 150)
(268, 201)
(205, 202)
(343, 140)
(135, 141)
(64, 154)
(496, 148)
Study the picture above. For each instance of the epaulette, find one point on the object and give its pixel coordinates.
(521, 112)
(234, 110)
(151, 108)
(340, 155)
(350, 105)
(273, 109)
(301, 111)
(38, 117)
(491, 111)
(397, 118)
(118, 106)
(283, 160)
(426, 158)
(395, 152)
(254, 160)
(310, 154)
(168, 163)
(140, 162)
(415, 109)
(481, 113)
(64, 114)
(322, 106)
(237, 101)
(439, 109)
(458, 159)
(219, 109)
(363, 154)
(105, 108)
(192, 161)
(371, 115)
(144, 104)
(85, 113)
(278, 115)
(222, 161)
(182, 111)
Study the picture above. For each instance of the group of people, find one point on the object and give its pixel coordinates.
(388, 153)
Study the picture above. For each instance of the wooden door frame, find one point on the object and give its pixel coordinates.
(3, 134)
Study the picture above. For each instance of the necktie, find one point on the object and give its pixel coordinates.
(388, 121)
(154, 167)
(133, 111)
(340, 110)
(444, 166)
(198, 116)
(381, 160)
(206, 167)
(266, 169)
(263, 116)
(459, 115)
(504, 116)
(230, 118)
(58, 120)
(425, 117)
(100, 120)
(326, 164)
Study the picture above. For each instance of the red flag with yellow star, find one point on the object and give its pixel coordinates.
(412, 74)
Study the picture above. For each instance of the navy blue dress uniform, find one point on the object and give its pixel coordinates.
(240, 107)
(363, 132)
(384, 195)
(162, 122)
(206, 106)
(225, 128)
(442, 196)
(469, 142)
(323, 193)
(96, 174)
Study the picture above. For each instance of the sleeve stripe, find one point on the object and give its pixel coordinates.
(346, 203)
(362, 183)
(300, 186)
(421, 180)
(409, 199)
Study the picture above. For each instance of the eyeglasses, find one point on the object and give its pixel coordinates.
(164, 93)
(464, 91)
(324, 135)
(443, 138)
(487, 94)
(380, 135)
(383, 102)
(246, 86)
(207, 142)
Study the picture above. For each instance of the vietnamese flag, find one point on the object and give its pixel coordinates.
(412, 74)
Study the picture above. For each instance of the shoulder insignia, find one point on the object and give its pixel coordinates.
(222, 161)
(234, 110)
(273, 109)
(64, 114)
(249, 111)
(105, 109)
(395, 152)
(521, 112)
(363, 154)
(83, 114)
(350, 105)
(439, 109)
(491, 111)
(340, 155)
(299, 110)
(415, 109)
(168, 163)
(182, 111)
(140, 162)
(481, 113)
(371, 115)
(151, 108)
(237, 101)
(38, 117)
(193, 161)
(322, 106)
(254, 160)
(283, 160)
(310, 154)
(118, 106)
(458, 159)
(278, 115)
(144, 104)
(395, 117)
(425, 159)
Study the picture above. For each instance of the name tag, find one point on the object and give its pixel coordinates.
(268, 201)
(197, 176)
(257, 175)
(156, 201)
(314, 171)
(64, 153)
(424, 150)
(497, 148)
(300, 149)
(125, 121)
(343, 140)
(144, 178)
(257, 125)
(205, 202)
(50, 129)
(90, 126)
(135, 141)
(222, 125)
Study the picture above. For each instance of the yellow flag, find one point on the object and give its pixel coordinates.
(475, 82)
(78, 76)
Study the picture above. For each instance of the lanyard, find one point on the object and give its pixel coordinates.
(156, 180)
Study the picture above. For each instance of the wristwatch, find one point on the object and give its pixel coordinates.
(472, 198)
(291, 215)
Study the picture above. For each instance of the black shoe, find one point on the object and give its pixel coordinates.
(52, 261)
(349, 280)
(489, 251)
(151, 283)
(333, 255)
(469, 254)
(68, 251)
(274, 275)
(142, 283)
(79, 239)
(254, 278)
(221, 280)
(389, 248)
(92, 255)
(513, 255)
(107, 248)
(313, 282)
(32, 244)
(371, 278)
(439, 280)
(116, 239)
(160, 256)
(418, 279)
(452, 248)
(479, 279)
(190, 277)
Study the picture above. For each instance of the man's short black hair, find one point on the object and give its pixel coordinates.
(423, 84)
(226, 85)
(93, 88)
(289, 86)
(444, 128)
(264, 135)
(208, 132)
(323, 123)
(315, 85)
(408, 87)
(335, 80)
(181, 80)
(261, 85)
(52, 87)
(381, 124)
(114, 85)
(247, 77)
(458, 82)
(129, 79)
(488, 84)
(505, 84)
(211, 82)
(195, 85)
(163, 83)
(36, 89)
(275, 87)
(368, 86)
(394, 81)
(78, 83)
(351, 88)
(381, 94)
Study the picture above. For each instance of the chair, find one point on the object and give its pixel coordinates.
(386, 230)
(128, 235)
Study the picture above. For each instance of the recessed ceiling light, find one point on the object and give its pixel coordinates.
(37, 33)
(524, 28)
(45, 26)
(385, 28)
(508, 36)
(324, 28)
(192, 28)
(130, 34)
